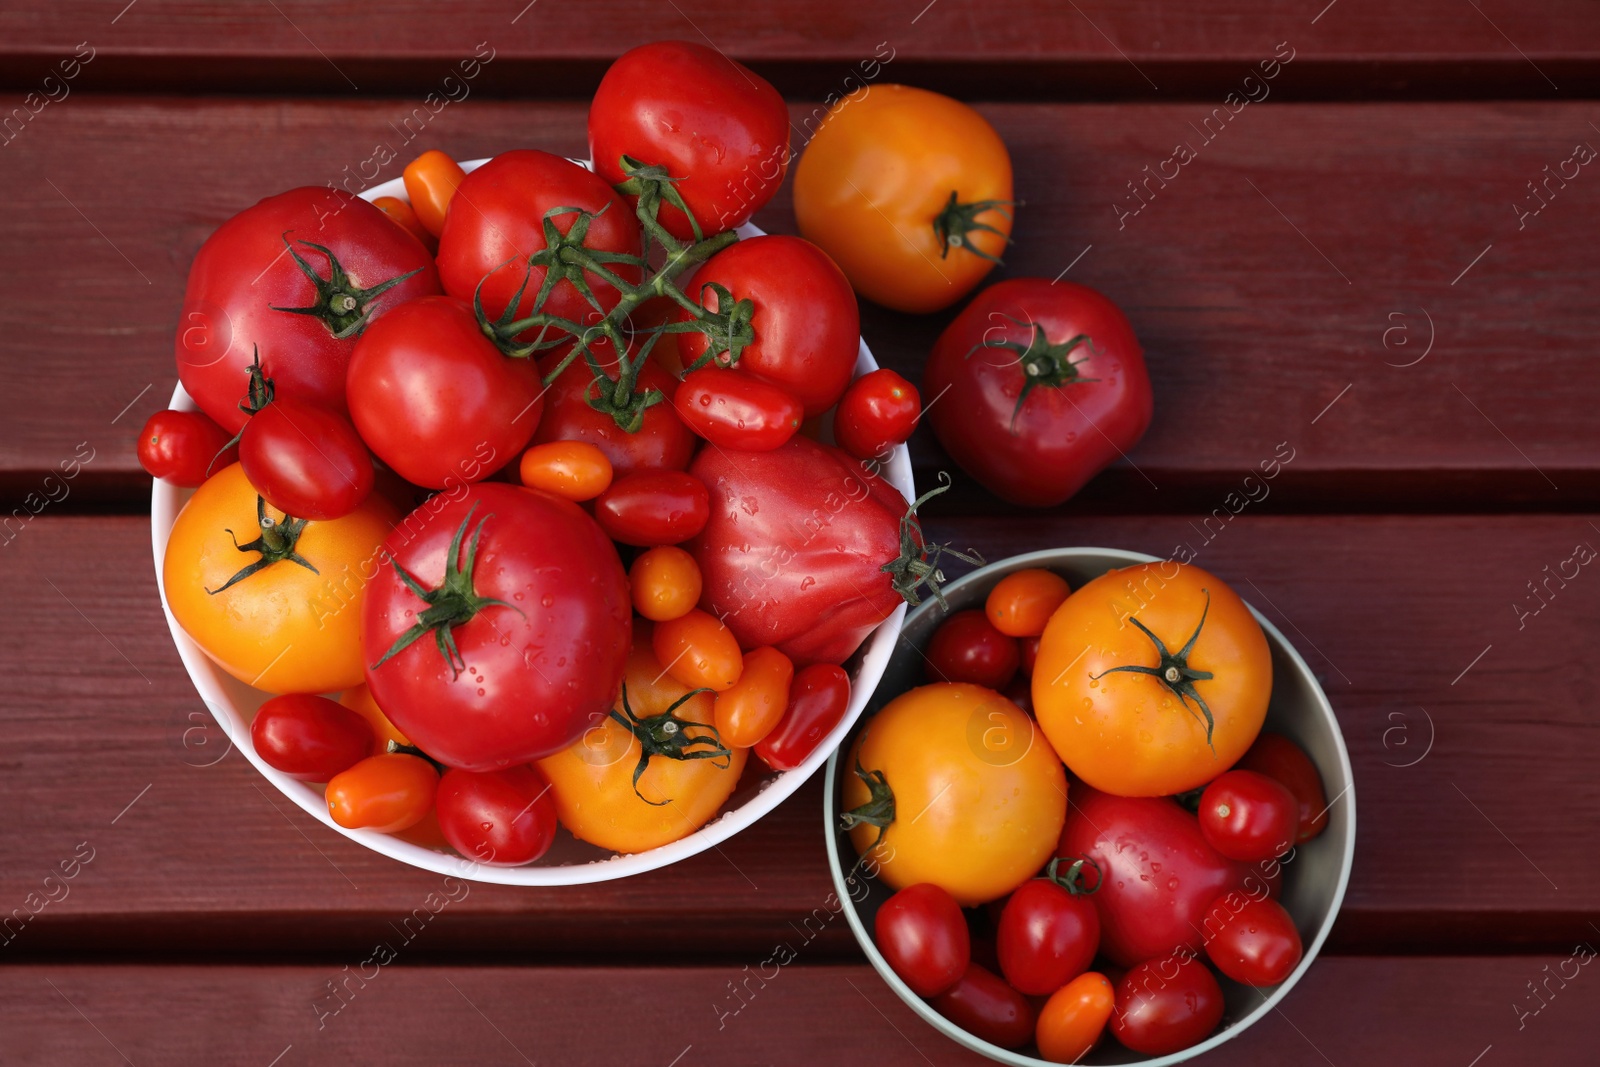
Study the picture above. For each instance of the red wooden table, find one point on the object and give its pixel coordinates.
(1371, 265)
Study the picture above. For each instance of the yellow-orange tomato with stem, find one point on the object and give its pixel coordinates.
(748, 712)
(403, 214)
(909, 192)
(359, 700)
(665, 582)
(1022, 602)
(431, 181)
(699, 651)
(1072, 1020)
(388, 793)
(575, 470)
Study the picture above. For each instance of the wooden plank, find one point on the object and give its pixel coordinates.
(1098, 49)
(1478, 841)
(1346, 1010)
(1273, 282)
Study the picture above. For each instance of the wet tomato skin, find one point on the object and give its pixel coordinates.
(983, 1005)
(1248, 816)
(967, 648)
(309, 737)
(181, 447)
(818, 698)
(501, 818)
(1166, 1005)
(649, 508)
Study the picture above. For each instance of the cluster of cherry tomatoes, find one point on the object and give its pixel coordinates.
(1026, 919)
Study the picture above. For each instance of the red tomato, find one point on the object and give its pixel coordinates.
(794, 551)
(531, 626)
(310, 738)
(653, 507)
(389, 792)
(1252, 941)
(1248, 816)
(967, 648)
(734, 410)
(1285, 762)
(305, 460)
(498, 222)
(661, 441)
(297, 277)
(716, 126)
(436, 400)
(818, 697)
(1051, 388)
(923, 937)
(501, 818)
(1020, 693)
(1030, 654)
(183, 447)
(1165, 1005)
(807, 327)
(1049, 930)
(1074, 1018)
(1159, 876)
(983, 1005)
(878, 411)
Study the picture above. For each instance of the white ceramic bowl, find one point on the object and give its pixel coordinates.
(1313, 882)
(569, 861)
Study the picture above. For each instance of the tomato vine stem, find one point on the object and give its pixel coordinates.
(669, 736)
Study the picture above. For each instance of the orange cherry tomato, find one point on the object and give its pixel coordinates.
(402, 213)
(431, 181)
(359, 699)
(699, 651)
(747, 713)
(575, 470)
(1072, 1020)
(1022, 602)
(665, 582)
(387, 793)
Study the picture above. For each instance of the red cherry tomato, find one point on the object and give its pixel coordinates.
(923, 936)
(1285, 762)
(967, 648)
(734, 410)
(310, 738)
(305, 460)
(818, 698)
(1165, 1005)
(1248, 816)
(388, 793)
(1020, 693)
(878, 411)
(661, 440)
(501, 818)
(181, 447)
(653, 508)
(1252, 941)
(1049, 930)
(983, 1005)
(1030, 654)
(1073, 1019)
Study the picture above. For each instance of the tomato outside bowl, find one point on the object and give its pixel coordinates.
(569, 861)
(1313, 882)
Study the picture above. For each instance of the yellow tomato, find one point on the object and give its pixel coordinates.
(291, 626)
(359, 700)
(971, 794)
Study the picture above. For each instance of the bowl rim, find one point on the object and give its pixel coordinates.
(209, 680)
(1270, 1001)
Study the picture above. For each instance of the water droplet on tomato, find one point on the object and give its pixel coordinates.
(548, 600)
(480, 691)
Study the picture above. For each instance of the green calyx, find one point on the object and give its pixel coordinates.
(275, 542)
(917, 565)
(955, 224)
(670, 737)
(258, 394)
(1043, 361)
(1072, 879)
(877, 811)
(1174, 672)
(343, 307)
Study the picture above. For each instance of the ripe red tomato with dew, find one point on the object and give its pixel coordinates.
(1049, 930)
(500, 818)
(184, 447)
(1254, 942)
(818, 699)
(309, 737)
(306, 460)
(967, 648)
(1248, 816)
(649, 508)
(983, 1005)
(497, 630)
(1285, 762)
(923, 935)
(1166, 1005)
(734, 410)
(659, 442)
(878, 411)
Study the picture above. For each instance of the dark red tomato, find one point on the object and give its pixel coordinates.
(528, 650)
(715, 125)
(305, 460)
(500, 818)
(1030, 653)
(985, 1007)
(793, 554)
(1286, 763)
(651, 508)
(1050, 385)
(818, 697)
(806, 322)
(967, 648)
(1254, 942)
(311, 738)
(662, 441)
(182, 447)
(1159, 875)
(255, 275)
(878, 411)
(1165, 1005)
(436, 400)
(1020, 693)
(1248, 816)
(734, 410)
(496, 221)
(923, 936)
(1049, 932)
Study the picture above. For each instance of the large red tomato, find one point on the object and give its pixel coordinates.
(499, 631)
(1049, 387)
(716, 126)
(296, 277)
(660, 442)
